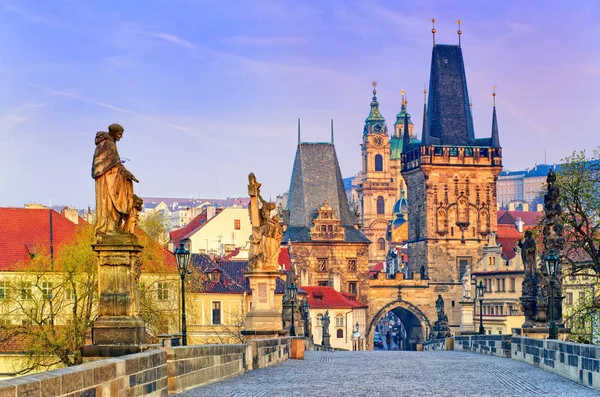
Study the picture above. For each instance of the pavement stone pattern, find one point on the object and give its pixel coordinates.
(389, 373)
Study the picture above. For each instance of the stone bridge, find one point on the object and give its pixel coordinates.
(383, 373)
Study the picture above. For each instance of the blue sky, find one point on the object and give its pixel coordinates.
(209, 91)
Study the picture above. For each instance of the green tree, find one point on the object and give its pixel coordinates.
(579, 184)
(582, 318)
(156, 224)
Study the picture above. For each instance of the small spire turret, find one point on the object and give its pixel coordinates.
(406, 137)
(425, 141)
(299, 131)
(459, 32)
(495, 134)
(433, 30)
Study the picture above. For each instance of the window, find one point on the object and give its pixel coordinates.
(25, 291)
(381, 244)
(3, 290)
(569, 298)
(340, 333)
(380, 206)
(378, 162)
(491, 260)
(463, 263)
(352, 265)
(323, 283)
(322, 264)
(236, 224)
(162, 291)
(47, 290)
(216, 313)
(70, 294)
(500, 284)
(513, 284)
(323, 228)
(353, 287)
(214, 276)
(339, 320)
(319, 317)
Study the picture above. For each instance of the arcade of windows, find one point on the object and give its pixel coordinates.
(499, 284)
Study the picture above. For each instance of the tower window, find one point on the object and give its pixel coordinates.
(381, 244)
(380, 206)
(378, 162)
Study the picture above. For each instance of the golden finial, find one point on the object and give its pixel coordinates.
(425, 96)
(374, 84)
(403, 99)
(471, 102)
(433, 29)
(494, 94)
(459, 32)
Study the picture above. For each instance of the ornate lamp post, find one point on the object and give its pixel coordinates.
(552, 268)
(480, 294)
(183, 257)
(305, 310)
(292, 292)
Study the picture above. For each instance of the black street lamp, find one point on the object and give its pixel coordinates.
(552, 268)
(480, 293)
(183, 257)
(292, 291)
(305, 310)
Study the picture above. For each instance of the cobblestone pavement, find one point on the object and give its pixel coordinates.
(388, 373)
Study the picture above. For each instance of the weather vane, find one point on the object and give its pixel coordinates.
(459, 32)
(433, 29)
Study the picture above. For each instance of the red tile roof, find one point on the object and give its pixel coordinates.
(284, 258)
(529, 218)
(196, 223)
(329, 298)
(25, 230)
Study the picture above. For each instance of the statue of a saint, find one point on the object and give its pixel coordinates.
(466, 284)
(325, 323)
(528, 253)
(265, 240)
(439, 306)
(115, 201)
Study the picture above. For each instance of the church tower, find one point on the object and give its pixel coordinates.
(450, 177)
(377, 188)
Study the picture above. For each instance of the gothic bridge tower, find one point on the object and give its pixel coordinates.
(377, 188)
(451, 178)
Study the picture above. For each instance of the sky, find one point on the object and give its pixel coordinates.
(210, 90)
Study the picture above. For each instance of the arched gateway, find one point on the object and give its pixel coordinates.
(415, 322)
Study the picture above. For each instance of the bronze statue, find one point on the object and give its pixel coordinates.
(265, 240)
(528, 253)
(116, 205)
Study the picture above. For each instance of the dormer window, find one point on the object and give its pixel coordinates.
(214, 276)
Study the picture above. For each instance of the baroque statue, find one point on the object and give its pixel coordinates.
(116, 205)
(466, 284)
(440, 329)
(265, 240)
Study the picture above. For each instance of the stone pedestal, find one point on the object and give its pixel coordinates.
(466, 316)
(264, 320)
(119, 327)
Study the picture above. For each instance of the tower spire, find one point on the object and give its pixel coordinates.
(375, 120)
(459, 32)
(332, 131)
(495, 135)
(433, 30)
(406, 136)
(425, 141)
(299, 131)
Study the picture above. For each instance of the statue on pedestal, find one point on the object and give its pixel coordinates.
(265, 240)
(440, 329)
(116, 205)
(325, 320)
(530, 296)
(466, 284)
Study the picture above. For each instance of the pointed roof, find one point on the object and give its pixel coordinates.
(449, 117)
(316, 178)
(375, 117)
(403, 112)
(425, 141)
(495, 136)
(405, 137)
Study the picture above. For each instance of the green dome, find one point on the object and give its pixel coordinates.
(396, 147)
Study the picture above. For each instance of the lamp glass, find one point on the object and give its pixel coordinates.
(480, 290)
(293, 290)
(183, 256)
(552, 263)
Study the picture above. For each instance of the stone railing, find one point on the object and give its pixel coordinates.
(153, 373)
(132, 375)
(495, 345)
(574, 361)
(439, 344)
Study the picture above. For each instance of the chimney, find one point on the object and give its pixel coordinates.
(210, 212)
(511, 206)
(526, 207)
(540, 207)
(71, 214)
(519, 223)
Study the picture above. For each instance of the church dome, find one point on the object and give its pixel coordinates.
(401, 206)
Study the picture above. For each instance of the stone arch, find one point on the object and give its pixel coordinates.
(425, 325)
